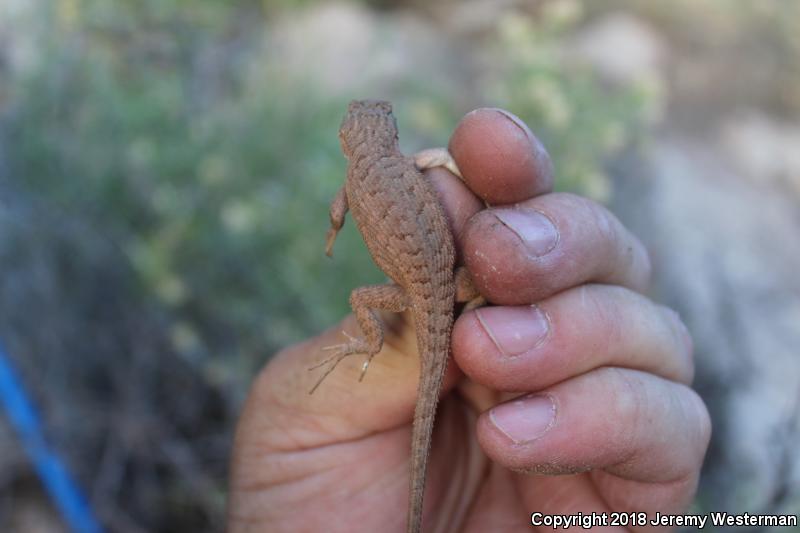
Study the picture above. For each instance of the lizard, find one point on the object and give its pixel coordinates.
(405, 229)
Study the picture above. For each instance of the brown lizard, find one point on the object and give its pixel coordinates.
(406, 231)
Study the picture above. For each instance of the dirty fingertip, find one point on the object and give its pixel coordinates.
(500, 158)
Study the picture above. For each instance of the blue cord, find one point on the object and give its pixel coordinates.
(64, 492)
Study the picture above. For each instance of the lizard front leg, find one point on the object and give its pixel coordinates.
(436, 157)
(364, 301)
(338, 211)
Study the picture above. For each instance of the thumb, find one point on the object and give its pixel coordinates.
(281, 415)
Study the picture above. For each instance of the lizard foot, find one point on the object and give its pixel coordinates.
(436, 157)
(475, 303)
(340, 351)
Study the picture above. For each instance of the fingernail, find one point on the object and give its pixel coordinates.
(514, 330)
(516, 121)
(525, 419)
(534, 229)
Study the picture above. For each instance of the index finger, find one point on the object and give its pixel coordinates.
(500, 159)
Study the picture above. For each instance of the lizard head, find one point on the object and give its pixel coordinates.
(368, 123)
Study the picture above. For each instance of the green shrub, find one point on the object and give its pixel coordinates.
(212, 169)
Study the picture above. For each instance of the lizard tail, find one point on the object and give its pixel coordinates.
(434, 347)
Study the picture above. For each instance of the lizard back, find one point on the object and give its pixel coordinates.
(404, 226)
(396, 209)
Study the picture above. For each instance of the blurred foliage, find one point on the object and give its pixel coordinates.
(173, 131)
(580, 120)
(208, 190)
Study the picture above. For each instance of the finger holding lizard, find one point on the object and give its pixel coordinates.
(595, 374)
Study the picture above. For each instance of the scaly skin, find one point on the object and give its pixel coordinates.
(406, 231)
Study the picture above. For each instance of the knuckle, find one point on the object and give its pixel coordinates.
(573, 201)
(684, 346)
(623, 251)
(612, 307)
(571, 206)
(646, 261)
(605, 305)
(597, 217)
(631, 402)
(703, 421)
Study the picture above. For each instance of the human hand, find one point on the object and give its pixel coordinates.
(579, 403)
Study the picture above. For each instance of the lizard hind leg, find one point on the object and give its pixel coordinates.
(365, 301)
(466, 292)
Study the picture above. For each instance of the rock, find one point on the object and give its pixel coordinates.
(726, 255)
(345, 48)
(766, 149)
(21, 29)
(621, 47)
